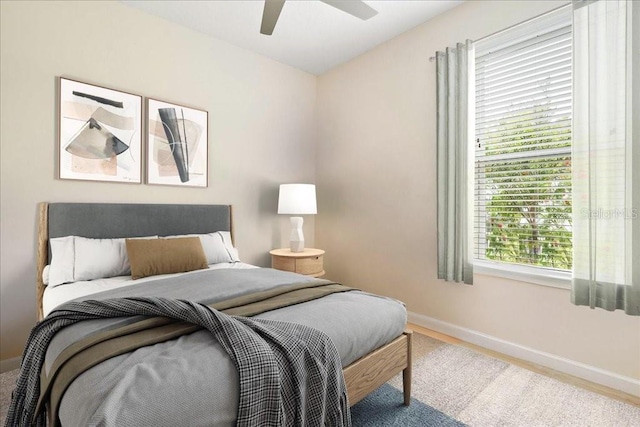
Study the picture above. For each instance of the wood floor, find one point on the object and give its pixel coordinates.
(560, 376)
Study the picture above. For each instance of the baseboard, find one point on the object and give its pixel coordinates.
(599, 376)
(9, 364)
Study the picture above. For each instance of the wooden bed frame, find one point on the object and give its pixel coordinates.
(362, 376)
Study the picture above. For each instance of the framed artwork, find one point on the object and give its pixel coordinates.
(100, 133)
(177, 145)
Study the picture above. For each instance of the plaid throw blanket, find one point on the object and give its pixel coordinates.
(290, 374)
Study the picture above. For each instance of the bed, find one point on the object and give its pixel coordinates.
(380, 349)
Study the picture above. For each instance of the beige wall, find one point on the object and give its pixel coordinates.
(261, 127)
(376, 177)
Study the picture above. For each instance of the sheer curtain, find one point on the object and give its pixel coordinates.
(605, 211)
(455, 164)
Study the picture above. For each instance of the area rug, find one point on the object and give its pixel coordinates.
(7, 383)
(478, 390)
(455, 386)
(384, 408)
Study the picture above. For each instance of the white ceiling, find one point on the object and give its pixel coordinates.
(309, 35)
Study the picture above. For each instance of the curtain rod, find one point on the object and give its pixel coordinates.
(495, 33)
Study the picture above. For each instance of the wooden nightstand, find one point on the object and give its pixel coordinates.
(308, 262)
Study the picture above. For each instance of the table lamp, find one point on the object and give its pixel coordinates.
(297, 199)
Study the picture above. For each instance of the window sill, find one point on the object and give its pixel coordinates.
(522, 273)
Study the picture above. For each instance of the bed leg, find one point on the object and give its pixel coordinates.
(406, 372)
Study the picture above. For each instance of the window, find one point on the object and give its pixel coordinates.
(522, 186)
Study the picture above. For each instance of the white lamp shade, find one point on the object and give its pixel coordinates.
(297, 199)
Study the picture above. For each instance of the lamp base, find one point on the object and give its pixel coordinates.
(296, 240)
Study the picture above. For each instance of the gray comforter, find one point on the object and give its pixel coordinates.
(192, 378)
(290, 374)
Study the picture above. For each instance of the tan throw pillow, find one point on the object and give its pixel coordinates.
(163, 256)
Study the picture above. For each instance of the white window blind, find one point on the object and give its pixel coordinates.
(522, 209)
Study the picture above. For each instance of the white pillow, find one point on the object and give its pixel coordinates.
(233, 252)
(45, 274)
(98, 258)
(62, 260)
(217, 246)
(75, 258)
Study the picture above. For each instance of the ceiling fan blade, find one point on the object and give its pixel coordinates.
(357, 8)
(272, 9)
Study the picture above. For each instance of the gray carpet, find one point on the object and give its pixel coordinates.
(453, 385)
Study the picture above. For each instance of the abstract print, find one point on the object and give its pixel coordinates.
(177, 145)
(100, 133)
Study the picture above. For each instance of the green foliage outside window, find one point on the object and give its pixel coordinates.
(528, 202)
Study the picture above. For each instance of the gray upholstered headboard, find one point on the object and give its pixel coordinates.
(108, 220)
(111, 220)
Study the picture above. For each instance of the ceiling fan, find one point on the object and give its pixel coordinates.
(272, 9)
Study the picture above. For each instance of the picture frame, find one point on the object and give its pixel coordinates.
(177, 144)
(99, 133)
